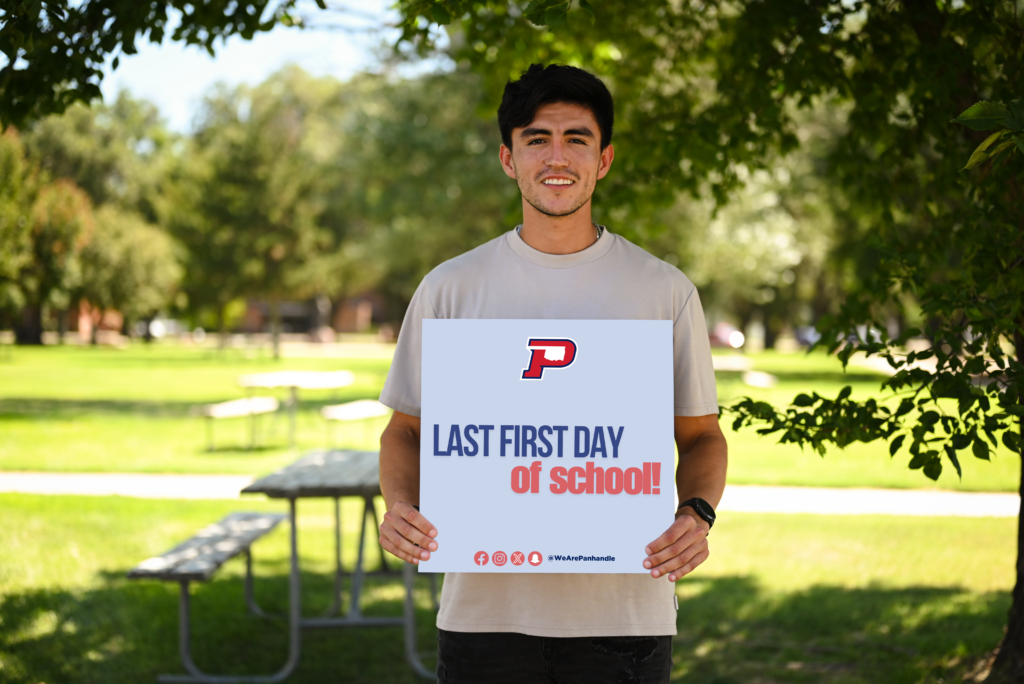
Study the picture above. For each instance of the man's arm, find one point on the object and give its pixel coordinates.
(703, 456)
(405, 532)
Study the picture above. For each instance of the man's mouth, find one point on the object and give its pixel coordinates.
(557, 181)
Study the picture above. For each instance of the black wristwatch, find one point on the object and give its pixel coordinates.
(703, 509)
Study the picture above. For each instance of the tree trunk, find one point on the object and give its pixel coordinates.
(62, 325)
(1009, 663)
(30, 330)
(222, 328)
(275, 327)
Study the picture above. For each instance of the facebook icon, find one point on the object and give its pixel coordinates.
(481, 558)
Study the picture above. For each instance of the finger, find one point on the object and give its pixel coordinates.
(693, 536)
(681, 526)
(688, 558)
(396, 521)
(386, 544)
(690, 566)
(400, 546)
(416, 519)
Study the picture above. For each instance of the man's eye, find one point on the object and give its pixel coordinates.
(535, 141)
(577, 140)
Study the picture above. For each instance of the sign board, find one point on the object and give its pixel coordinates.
(546, 445)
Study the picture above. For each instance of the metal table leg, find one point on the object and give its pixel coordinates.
(411, 654)
(293, 405)
(335, 608)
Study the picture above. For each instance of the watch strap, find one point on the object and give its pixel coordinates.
(702, 508)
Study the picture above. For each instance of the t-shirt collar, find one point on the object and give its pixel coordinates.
(591, 253)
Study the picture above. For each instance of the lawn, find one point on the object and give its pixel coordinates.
(783, 598)
(132, 410)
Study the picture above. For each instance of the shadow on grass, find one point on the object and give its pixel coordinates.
(730, 631)
(126, 632)
(20, 408)
(733, 632)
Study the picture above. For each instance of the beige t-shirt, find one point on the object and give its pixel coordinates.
(612, 279)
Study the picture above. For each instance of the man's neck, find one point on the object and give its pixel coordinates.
(558, 234)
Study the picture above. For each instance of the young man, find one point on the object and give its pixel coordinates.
(556, 126)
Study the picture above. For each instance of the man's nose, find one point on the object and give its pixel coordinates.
(557, 156)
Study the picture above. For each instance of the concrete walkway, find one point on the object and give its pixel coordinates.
(741, 498)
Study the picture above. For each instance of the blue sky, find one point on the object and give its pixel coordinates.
(175, 76)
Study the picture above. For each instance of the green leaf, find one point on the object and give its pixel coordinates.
(803, 400)
(586, 6)
(933, 469)
(440, 15)
(1012, 441)
(895, 445)
(1020, 142)
(980, 448)
(906, 406)
(1017, 108)
(844, 394)
(321, 4)
(983, 115)
(981, 152)
(1016, 410)
(920, 459)
(951, 455)
(960, 441)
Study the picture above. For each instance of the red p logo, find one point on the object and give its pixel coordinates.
(548, 353)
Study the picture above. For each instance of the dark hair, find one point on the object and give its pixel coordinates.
(555, 83)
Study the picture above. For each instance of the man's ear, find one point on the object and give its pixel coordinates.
(607, 155)
(505, 155)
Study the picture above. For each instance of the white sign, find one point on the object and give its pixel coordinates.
(546, 446)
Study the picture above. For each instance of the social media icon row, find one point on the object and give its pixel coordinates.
(499, 558)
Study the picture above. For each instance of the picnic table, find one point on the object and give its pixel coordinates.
(295, 380)
(335, 474)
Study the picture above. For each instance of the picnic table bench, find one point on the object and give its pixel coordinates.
(197, 560)
(361, 410)
(237, 408)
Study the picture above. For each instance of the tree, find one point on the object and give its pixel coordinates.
(15, 221)
(62, 225)
(116, 153)
(248, 201)
(941, 239)
(128, 266)
(56, 49)
(419, 180)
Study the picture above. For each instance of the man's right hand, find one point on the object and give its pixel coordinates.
(407, 534)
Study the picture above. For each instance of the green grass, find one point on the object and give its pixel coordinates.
(782, 599)
(133, 410)
(83, 409)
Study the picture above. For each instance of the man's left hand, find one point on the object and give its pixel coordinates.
(680, 550)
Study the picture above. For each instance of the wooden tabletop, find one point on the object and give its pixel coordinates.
(299, 378)
(323, 474)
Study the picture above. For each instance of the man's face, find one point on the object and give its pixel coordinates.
(557, 158)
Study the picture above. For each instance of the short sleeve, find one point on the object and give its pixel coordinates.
(696, 392)
(402, 388)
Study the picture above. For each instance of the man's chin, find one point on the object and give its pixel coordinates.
(556, 213)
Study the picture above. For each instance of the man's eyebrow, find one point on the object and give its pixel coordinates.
(583, 131)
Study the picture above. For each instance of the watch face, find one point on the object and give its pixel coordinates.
(704, 510)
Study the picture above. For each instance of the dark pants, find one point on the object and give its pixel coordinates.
(511, 658)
